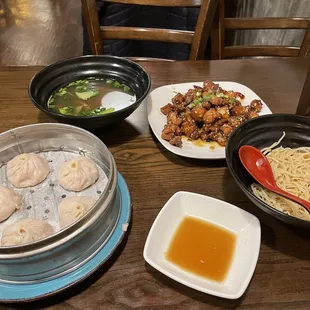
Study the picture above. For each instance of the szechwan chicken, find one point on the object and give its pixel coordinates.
(209, 113)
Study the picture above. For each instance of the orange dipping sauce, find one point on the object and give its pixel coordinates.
(202, 248)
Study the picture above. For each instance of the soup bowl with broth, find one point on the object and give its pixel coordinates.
(90, 91)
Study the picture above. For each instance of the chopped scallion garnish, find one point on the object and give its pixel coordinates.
(207, 98)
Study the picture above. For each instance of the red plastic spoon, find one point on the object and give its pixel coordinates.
(258, 166)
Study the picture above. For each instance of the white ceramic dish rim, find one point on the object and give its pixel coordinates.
(189, 149)
(251, 270)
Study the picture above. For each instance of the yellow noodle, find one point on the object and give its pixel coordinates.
(291, 168)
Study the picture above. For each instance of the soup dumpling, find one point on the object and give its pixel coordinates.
(77, 174)
(26, 170)
(9, 202)
(25, 231)
(73, 208)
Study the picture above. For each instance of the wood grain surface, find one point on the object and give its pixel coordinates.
(267, 23)
(152, 34)
(281, 279)
(173, 3)
(39, 32)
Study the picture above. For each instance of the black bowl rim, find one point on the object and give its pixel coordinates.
(137, 102)
(240, 183)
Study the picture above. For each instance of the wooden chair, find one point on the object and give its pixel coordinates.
(197, 39)
(222, 24)
(303, 107)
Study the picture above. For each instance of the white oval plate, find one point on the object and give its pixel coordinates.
(163, 95)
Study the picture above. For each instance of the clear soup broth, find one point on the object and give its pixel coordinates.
(92, 96)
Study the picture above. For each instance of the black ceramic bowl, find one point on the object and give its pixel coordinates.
(61, 73)
(261, 132)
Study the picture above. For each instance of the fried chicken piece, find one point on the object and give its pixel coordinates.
(239, 95)
(234, 94)
(206, 105)
(177, 141)
(190, 130)
(208, 132)
(256, 105)
(221, 122)
(166, 109)
(211, 135)
(235, 121)
(208, 85)
(172, 134)
(178, 99)
(188, 118)
(168, 132)
(211, 115)
(204, 136)
(239, 110)
(226, 129)
(198, 88)
(197, 113)
(220, 139)
(173, 118)
(217, 101)
(205, 93)
(178, 108)
(178, 131)
(206, 127)
(252, 114)
(230, 94)
(214, 129)
(226, 102)
(224, 111)
(189, 96)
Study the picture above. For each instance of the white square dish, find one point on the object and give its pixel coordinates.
(160, 96)
(245, 225)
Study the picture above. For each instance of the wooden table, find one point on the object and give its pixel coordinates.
(282, 276)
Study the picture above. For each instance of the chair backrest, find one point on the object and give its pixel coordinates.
(197, 39)
(222, 24)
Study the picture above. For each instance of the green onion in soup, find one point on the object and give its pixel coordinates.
(92, 96)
